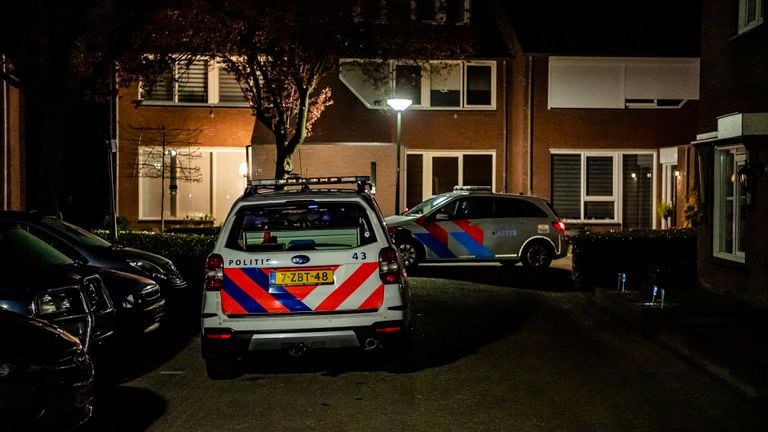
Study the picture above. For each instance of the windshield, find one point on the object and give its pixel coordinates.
(19, 248)
(301, 225)
(427, 205)
(76, 233)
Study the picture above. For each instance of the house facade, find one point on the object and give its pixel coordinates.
(731, 150)
(597, 135)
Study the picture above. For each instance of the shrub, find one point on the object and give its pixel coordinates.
(664, 256)
(187, 251)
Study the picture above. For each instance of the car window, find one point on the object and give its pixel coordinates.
(518, 208)
(304, 225)
(19, 248)
(76, 233)
(474, 208)
(427, 205)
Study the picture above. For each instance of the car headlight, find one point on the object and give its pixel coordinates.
(63, 301)
(147, 268)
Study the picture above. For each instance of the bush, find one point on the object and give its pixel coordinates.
(661, 256)
(187, 251)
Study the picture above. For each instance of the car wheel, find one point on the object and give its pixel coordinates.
(411, 252)
(537, 256)
(221, 369)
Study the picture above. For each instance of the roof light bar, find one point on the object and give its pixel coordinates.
(309, 181)
(471, 188)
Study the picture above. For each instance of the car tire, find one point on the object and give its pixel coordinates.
(412, 252)
(218, 369)
(537, 256)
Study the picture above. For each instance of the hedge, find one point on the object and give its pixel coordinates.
(662, 257)
(187, 251)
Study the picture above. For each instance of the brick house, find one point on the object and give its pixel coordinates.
(601, 117)
(731, 149)
(512, 119)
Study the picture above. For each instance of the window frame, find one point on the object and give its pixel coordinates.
(212, 183)
(427, 167)
(426, 84)
(617, 183)
(215, 70)
(740, 157)
(744, 24)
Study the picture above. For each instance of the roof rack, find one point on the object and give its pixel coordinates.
(362, 183)
(471, 188)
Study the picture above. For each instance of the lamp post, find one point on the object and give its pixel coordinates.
(398, 105)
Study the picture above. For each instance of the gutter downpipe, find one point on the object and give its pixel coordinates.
(505, 132)
(530, 124)
(5, 129)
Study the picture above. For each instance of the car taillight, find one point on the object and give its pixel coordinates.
(214, 272)
(559, 226)
(389, 265)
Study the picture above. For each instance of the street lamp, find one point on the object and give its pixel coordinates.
(398, 105)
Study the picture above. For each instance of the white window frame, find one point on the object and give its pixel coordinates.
(212, 181)
(426, 84)
(427, 156)
(739, 158)
(618, 184)
(600, 198)
(215, 68)
(746, 22)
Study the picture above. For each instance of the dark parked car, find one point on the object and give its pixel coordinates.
(139, 304)
(86, 247)
(46, 376)
(40, 281)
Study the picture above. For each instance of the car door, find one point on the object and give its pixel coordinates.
(517, 220)
(457, 230)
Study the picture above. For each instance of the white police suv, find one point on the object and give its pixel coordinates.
(474, 224)
(302, 263)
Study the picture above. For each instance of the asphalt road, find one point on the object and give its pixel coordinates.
(495, 349)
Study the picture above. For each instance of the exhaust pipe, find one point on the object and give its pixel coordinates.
(371, 344)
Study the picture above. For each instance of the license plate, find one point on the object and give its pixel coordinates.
(301, 277)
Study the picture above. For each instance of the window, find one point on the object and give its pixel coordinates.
(730, 204)
(440, 11)
(431, 173)
(611, 187)
(751, 13)
(195, 184)
(479, 85)
(408, 83)
(435, 85)
(201, 82)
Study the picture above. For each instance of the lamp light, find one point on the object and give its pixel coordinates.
(399, 105)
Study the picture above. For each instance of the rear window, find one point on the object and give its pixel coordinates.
(301, 225)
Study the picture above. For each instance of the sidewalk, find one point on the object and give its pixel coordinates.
(719, 333)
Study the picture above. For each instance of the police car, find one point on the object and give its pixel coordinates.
(474, 224)
(302, 263)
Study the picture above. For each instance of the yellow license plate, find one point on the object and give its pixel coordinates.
(301, 277)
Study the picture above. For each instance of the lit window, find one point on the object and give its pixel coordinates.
(750, 14)
(730, 204)
(188, 183)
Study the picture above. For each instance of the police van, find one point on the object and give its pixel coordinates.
(300, 264)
